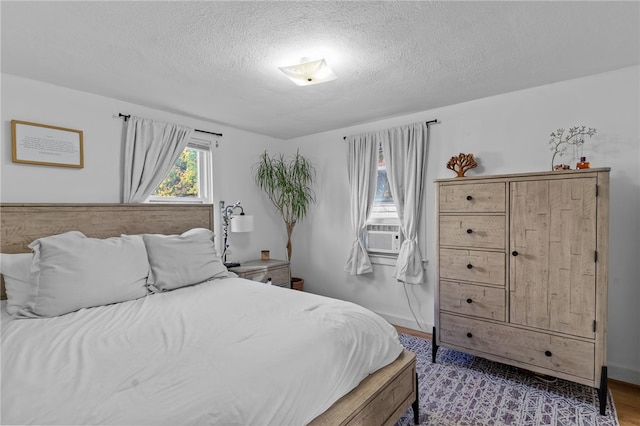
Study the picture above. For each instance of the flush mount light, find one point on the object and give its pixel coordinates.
(309, 72)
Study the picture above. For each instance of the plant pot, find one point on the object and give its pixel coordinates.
(297, 283)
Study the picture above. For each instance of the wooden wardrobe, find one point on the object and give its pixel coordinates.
(522, 271)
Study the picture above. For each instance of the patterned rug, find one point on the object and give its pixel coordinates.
(463, 390)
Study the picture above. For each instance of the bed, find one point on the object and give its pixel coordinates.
(225, 351)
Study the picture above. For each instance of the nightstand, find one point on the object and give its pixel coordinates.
(274, 271)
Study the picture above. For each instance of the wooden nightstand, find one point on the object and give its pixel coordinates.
(275, 271)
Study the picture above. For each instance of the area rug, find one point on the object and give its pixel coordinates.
(464, 390)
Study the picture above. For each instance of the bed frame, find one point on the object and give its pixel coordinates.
(380, 399)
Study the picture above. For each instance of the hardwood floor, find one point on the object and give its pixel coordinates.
(626, 396)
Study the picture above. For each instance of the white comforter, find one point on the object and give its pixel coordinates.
(228, 352)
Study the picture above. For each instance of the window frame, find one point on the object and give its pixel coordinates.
(388, 217)
(203, 144)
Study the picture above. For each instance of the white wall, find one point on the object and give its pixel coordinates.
(507, 134)
(100, 181)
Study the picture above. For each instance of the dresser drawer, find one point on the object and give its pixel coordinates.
(469, 299)
(473, 265)
(279, 276)
(473, 197)
(473, 231)
(561, 354)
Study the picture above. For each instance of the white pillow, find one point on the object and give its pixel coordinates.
(182, 260)
(15, 269)
(71, 271)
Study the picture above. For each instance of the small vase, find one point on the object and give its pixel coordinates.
(583, 163)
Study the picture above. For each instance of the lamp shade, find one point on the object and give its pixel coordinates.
(241, 223)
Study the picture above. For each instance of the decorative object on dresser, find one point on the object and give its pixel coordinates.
(560, 142)
(461, 163)
(562, 167)
(271, 271)
(522, 271)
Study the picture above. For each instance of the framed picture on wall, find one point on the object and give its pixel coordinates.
(34, 143)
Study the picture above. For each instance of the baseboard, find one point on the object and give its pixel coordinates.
(623, 374)
(407, 323)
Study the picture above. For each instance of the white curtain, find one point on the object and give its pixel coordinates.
(151, 149)
(405, 154)
(361, 168)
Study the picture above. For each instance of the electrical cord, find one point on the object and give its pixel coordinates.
(404, 286)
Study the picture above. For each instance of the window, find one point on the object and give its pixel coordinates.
(189, 181)
(383, 209)
(383, 236)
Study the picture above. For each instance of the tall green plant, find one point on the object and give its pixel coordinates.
(287, 181)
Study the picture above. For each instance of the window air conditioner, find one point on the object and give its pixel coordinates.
(383, 238)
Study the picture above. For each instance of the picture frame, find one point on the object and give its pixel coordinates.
(45, 145)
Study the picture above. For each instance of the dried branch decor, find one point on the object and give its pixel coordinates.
(562, 139)
(461, 163)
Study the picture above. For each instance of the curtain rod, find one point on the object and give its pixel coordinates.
(126, 117)
(426, 122)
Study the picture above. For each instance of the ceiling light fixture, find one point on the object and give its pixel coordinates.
(309, 72)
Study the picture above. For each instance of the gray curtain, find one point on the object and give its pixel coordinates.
(361, 169)
(405, 154)
(151, 149)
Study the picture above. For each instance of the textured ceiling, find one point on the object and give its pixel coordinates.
(218, 61)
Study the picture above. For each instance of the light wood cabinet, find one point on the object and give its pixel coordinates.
(522, 271)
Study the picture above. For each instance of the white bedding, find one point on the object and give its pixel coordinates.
(228, 352)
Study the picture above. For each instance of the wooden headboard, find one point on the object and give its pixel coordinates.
(20, 224)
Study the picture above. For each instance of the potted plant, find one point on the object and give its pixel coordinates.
(287, 181)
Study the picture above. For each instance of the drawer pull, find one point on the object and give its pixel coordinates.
(469, 266)
(469, 231)
(514, 253)
(469, 335)
(547, 353)
(469, 198)
(469, 301)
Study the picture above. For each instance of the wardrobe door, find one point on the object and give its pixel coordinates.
(552, 255)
